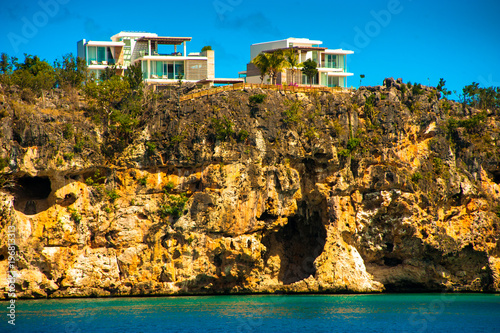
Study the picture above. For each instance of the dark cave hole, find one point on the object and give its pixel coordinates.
(34, 188)
(354, 167)
(389, 246)
(303, 241)
(218, 260)
(31, 194)
(392, 262)
(389, 176)
(496, 177)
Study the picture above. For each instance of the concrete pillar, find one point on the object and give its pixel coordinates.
(210, 64)
(185, 53)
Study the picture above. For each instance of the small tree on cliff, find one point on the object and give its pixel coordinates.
(70, 71)
(106, 95)
(310, 69)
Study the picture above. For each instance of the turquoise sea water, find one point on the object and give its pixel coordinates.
(269, 313)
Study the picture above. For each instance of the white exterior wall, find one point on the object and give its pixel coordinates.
(80, 49)
(255, 49)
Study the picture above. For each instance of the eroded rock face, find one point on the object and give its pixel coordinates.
(296, 207)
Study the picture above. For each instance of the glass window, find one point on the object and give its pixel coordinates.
(315, 56)
(92, 54)
(101, 54)
(305, 79)
(110, 56)
(159, 68)
(144, 65)
(170, 67)
(179, 69)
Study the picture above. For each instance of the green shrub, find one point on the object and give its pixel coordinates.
(95, 179)
(242, 135)
(150, 148)
(34, 75)
(68, 156)
(78, 147)
(438, 165)
(3, 163)
(223, 128)
(173, 206)
(168, 186)
(177, 138)
(353, 143)
(75, 216)
(445, 105)
(416, 177)
(142, 181)
(475, 123)
(311, 133)
(71, 71)
(292, 114)
(343, 152)
(112, 195)
(68, 131)
(257, 98)
(417, 89)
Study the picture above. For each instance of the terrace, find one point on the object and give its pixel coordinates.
(149, 46)
(103, 53)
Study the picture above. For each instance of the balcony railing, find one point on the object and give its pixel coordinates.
(101, 62)
(144, 53)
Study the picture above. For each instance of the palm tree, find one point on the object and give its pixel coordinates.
(277, 63)
(292, 58)
(263, 64)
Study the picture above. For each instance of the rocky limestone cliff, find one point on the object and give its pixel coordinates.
(382, 189)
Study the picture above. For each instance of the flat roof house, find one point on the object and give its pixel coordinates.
(163, 60)
(332, 65)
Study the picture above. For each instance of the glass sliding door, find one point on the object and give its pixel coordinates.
(306, 80)
(331, 61)
(144, 65)
(92, 54)
(170, 66)
(101, 54)
(333, 81)
(159, 69)
(110, 56)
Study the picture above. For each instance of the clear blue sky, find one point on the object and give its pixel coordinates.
(418, 40)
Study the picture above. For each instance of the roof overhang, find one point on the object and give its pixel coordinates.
(339, 51)
(329, 70)
(298, 48)
(170, 57)
(102, 43)
(339, 74)
(166, 40)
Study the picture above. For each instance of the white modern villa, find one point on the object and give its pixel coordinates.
(163, 60)
(331, 63)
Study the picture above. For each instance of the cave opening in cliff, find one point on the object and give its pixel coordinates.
(302, 240)
(496, 177)
(35, 188)
(31, 193)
